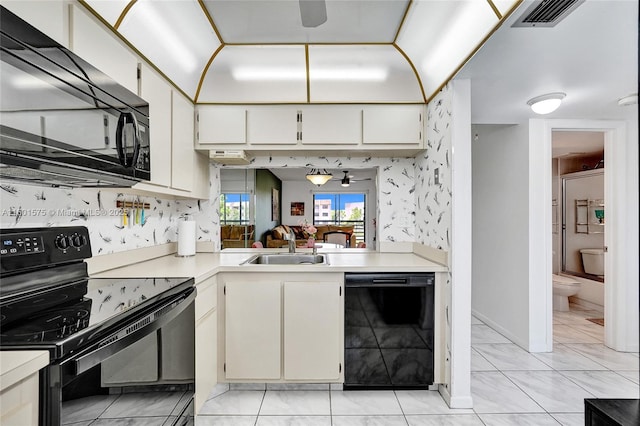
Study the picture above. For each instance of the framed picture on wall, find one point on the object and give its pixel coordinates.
(297, 208)
(275, 204)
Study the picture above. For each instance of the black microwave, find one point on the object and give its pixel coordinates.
(62, 121)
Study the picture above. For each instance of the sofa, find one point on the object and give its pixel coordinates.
(236, 236)
(276, 237)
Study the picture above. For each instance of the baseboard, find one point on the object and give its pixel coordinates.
(457, 401)
(523, 344)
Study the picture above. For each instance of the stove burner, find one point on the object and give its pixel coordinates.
(51, 325)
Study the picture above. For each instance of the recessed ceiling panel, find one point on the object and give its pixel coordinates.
(362, 73)
(256, 74)
(279, 21)
(439, 36)
(504, 6)
(175, 35)
(109, 10)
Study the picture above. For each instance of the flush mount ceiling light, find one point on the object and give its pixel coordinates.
(319, 177)
(628, 100)
(546, 104)
(313, 13)
(345, 180)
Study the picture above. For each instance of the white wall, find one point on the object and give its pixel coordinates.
(500, 228)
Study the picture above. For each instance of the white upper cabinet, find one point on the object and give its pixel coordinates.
(273, 125)
(393, 124)
(102, 49)
(359, 74)
(331, 124)
(221, 124)
(182, 152)
(156, 91)
(48, 16)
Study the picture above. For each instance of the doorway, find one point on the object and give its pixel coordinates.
(621, 239)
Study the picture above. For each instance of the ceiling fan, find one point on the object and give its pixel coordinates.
(347, 179)
(313, 13)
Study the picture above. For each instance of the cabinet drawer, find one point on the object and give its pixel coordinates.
(207, 298)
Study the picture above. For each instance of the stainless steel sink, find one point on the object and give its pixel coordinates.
(287, 259)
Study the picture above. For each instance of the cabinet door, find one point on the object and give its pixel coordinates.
(275, 125)
(157, 92)
(206, 340)
(221, 124)
(331, 124)
(102, 49)
(47, 16)
(206, 357)
(252, 330)
(392, 124)
(182, 149)
(312, 330)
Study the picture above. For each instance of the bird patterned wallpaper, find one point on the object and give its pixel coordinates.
(25, 206)
(433, 201)
(411, 207)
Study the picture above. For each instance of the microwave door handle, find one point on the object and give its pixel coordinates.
(125, 118)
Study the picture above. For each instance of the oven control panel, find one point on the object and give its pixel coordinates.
(30, 247)
(17, 245)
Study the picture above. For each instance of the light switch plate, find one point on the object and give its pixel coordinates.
(436, 176)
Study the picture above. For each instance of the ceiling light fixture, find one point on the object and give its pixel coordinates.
(345, 180)
(628, 100)
(546, 104)
(319, 177)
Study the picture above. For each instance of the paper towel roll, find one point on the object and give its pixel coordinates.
(186, 238)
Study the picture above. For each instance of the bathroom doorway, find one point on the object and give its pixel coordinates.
(578, 228)
(621, 239)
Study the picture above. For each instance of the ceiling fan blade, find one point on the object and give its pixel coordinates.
(313, 13)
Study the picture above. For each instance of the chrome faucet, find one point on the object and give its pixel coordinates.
(292, 242)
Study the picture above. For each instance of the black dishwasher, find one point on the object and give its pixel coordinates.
(388, 330)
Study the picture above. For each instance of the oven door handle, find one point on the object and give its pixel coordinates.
(133, 332)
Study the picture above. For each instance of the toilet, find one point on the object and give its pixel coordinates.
(563, 287)
(593, 261)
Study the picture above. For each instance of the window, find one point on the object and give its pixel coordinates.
(234, 209)
(341, 209)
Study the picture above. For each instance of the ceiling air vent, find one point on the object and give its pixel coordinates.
(546, 13)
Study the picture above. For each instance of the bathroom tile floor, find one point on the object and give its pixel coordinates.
(509, 386)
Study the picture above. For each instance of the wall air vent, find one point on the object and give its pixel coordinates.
(546, 13)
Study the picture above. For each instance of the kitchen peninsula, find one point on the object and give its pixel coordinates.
(263, 296)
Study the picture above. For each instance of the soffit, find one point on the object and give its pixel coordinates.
(423, 42)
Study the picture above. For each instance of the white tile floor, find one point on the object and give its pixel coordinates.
(509, 386)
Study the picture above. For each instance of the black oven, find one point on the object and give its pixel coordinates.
(121, 349)
(389, 329)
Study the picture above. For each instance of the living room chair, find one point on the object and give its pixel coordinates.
(337, 237)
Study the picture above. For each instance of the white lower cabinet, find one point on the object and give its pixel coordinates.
(206, 351)
(312, 330)
(252, 330)
(281, 330)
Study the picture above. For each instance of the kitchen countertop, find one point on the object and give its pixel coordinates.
(16, 365)
(204, 265)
